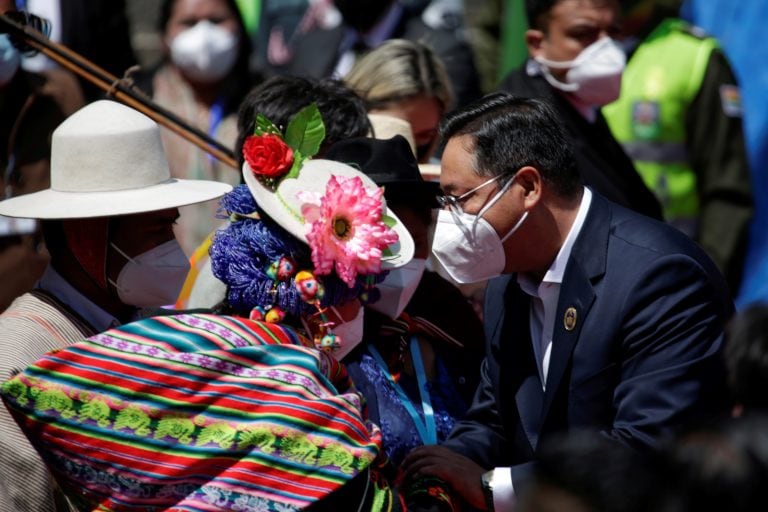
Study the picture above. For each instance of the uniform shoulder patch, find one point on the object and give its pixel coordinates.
(646, 120)
(730, 99)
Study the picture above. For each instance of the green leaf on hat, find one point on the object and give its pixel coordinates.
(263, 126)
(306, 131)
(388, 221)
(387, 253)
(298, 161)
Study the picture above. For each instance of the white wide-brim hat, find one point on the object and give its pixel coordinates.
(107, 159)
(284, 205)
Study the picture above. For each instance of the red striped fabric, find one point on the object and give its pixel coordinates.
(194, 413)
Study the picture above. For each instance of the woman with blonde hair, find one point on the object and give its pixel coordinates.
(407, 80)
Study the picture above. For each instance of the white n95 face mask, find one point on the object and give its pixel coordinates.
(206, 52)
(473, 258)
(398, 288)
(594, 76)
(468, 247)
(153, 278)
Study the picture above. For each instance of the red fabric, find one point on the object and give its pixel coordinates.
(87, 239)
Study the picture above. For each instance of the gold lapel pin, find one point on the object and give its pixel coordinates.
(569, 319)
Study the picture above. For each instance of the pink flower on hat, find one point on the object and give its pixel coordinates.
(346, 229)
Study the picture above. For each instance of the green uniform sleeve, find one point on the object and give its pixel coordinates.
(719, 159)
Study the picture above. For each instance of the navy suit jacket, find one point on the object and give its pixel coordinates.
(641, 356)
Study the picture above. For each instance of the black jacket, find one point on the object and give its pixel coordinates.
(600, 159)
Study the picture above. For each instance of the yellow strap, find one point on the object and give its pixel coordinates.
(196, 262)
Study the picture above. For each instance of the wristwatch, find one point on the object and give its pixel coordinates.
(487, 482)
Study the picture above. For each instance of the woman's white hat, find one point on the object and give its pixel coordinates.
(284, 203)
(107, 159)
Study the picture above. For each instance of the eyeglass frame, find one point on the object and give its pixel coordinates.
(452, 201)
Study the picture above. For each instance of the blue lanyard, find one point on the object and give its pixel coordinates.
(216, 116)
(427, 429)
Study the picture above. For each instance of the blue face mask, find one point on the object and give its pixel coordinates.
(9, 59)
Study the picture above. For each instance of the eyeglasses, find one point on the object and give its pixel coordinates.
(454, 202)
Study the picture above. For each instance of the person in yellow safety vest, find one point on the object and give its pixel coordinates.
(679, 118)
(575, 64)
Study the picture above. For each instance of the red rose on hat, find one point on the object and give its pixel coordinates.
(267, 155)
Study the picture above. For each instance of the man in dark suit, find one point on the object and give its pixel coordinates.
(603, 319)
(576, 65)
(324, 52)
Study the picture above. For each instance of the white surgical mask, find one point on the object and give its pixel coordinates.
(206, 52)
(398, 288)
(594, 76)
(468, 247)
(9, 59)
(350, 332)
(153, 278)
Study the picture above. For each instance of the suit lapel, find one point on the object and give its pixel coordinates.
(576, 299)
(577, 294)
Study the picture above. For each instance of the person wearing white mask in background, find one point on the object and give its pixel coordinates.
(576, 65)
(596, 318)
(418, 365)
(203, 78)
(107, 221)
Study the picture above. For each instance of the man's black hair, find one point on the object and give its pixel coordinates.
(717, 467)
(594, 472)
(510, 132)
(537, 10)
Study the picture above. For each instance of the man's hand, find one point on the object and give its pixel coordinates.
(458, 471)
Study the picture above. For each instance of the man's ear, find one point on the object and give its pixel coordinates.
(530, 179)
(533, 40)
